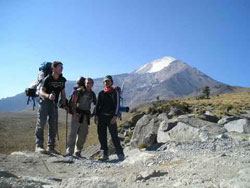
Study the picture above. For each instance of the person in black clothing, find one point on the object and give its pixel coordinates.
(106, 112)
(53, 85)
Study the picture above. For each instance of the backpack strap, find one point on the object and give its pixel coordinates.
(34, 102)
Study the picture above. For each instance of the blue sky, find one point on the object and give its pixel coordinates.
(98, 37)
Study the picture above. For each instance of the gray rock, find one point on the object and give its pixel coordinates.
(190, 128)
(145, 131)
(163, 116)
(5, 174)
(150, 173)
(175, 112)
(238, 136)
(136, 156)
(227, 119)
(241, 126)
(183, 132)
(195, 122)
(165, 126)
(210, 127)
(211, 118)
(134, 119)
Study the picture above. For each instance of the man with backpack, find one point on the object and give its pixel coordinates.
(52, 86)
(106, 112)
(81, 101)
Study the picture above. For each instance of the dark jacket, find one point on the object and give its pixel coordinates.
(108, 103)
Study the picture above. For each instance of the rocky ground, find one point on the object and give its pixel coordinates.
(214, 163)
(189, 152)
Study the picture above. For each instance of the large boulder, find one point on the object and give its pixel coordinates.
(135, 117)
(162, 116)
(241, 126)
(182, 132)
(188, 128)
(164, 127)
(145, 131)
(210, 127)
(227, 119)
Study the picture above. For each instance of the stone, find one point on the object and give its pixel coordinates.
(145, 131)
(134, 119)
(5, 174)
(211, 118)
(241, 126)
(183, 132)
(150, 173)
(227, 119)
(136, 156)
(163, 116)
(165, 126)
(175, 112)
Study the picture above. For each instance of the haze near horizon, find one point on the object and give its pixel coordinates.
(95, 38)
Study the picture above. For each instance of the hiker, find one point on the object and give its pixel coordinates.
(53, 85)
(82, 99)
(106, 112)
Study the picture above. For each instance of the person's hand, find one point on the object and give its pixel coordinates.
(51, 97)
(113, 120)
(96, 120)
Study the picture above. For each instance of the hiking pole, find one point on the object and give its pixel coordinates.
(66, 129)
(57, 132)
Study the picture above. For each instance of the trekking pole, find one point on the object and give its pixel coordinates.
(57, 132)
(66, 129)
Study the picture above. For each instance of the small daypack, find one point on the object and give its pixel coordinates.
(70, 100)
(33, 91)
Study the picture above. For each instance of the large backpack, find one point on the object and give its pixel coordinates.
(33, 91)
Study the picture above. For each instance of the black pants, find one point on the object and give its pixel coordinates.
(103, 123)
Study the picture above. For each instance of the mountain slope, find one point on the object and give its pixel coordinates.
(164, 78)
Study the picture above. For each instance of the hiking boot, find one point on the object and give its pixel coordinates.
(68, 154)
(53, 151)
(121, 157)
(103, 158)
(78, 154)
(40, 150)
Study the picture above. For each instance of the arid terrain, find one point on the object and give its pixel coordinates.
(199, 143)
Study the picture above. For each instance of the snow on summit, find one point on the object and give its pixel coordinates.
(160, 64)
(156, 65)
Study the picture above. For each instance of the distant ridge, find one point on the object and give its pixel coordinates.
(166, 77)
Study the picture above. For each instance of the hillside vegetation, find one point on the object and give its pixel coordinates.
(17, 129)
(219, 105)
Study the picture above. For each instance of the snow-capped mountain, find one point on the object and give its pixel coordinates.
(156, 65)
(165, 78)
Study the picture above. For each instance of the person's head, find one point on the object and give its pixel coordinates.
(81, 82)
(57, 67)
(108, 81)
(89, 82)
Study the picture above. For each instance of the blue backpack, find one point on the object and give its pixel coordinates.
(33, 91)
